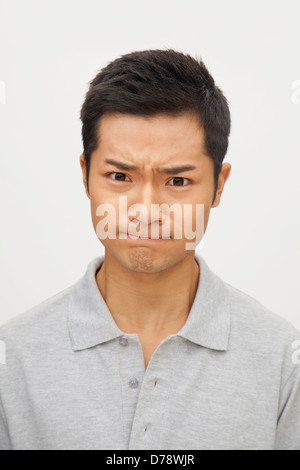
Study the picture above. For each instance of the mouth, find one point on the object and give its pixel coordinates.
(146, 239)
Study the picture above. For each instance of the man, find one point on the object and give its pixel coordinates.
(151, 349)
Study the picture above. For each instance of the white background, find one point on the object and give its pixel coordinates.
(50, 50)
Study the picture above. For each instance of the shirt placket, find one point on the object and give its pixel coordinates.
(155, 395)
(132, 370)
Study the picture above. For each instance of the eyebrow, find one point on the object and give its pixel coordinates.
(169, 171)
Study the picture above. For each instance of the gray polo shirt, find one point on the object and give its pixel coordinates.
(71, 379)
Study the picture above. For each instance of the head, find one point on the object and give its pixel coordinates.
(147, 112)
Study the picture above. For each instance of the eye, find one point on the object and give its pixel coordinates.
(119, 176)
(179, 181)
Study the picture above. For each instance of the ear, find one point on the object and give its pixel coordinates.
(83, 168)
(223, 176)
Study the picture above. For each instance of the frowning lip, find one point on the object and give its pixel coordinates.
(134, 237)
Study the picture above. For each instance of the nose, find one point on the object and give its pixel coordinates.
(144, 209)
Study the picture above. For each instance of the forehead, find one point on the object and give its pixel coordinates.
(159, 138)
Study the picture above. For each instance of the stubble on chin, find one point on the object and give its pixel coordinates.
(141, 260)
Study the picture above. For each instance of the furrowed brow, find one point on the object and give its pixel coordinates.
(169, 171)
(121, 166)
(176, 170)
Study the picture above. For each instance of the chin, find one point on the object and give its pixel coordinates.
(144, 262)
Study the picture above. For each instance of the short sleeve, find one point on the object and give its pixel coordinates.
(4, 436)
(288, 426)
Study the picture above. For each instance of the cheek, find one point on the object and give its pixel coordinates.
(207, 207)
(105, 215)
(94, 205)
(206, 216)
(201, 207)
(200, 216)
(95, 202)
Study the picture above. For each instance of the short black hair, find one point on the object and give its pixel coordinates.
(151, 82)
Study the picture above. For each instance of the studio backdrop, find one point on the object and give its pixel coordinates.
(50, 50)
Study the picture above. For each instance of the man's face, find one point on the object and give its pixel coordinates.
(153, 146)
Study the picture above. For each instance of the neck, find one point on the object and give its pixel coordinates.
(156, 302)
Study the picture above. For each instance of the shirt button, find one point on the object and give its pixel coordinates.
(133, 383)
(123, 341)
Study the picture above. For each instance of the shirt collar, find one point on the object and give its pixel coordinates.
(90, 321)
(208, 323)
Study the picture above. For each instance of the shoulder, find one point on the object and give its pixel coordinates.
(253, 315)
(265, 336)
(38, 322)
(249, 317)
(259, 337)
(50, 316)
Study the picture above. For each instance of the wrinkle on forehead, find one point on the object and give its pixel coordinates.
(152, 143)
